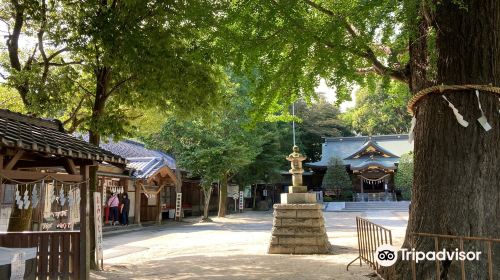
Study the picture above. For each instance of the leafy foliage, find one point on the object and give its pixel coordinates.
(267, 164)
(213, 147)
(9, 99)
(317, 120)
(380, 109)
(404, 175)
(336, 176)
(287, 46)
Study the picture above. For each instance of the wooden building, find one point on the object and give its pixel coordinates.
(44, 176)
(151, 180)
(370, 160)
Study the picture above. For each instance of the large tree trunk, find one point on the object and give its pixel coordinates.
(103, 76)
(207, 192)
(223, 196)
(457, 179)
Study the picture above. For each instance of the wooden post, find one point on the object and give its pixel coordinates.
(158, 205)
(137, 208)
(84, 225)
(178, 188)
(362, 194)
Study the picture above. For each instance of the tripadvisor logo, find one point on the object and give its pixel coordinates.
(387, 255)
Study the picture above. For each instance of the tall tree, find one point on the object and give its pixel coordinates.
(380, 109)
(215, 146)
(420, 43)
(463, 197)
(336, 176)
(127, 55)
(36, 63)
(317, 120)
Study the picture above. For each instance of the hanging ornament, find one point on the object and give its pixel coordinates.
(71, 194)
(78, 198)
(18, 197)
(62, 198)
(482, 120)
(26, 199)
(53, 195)
(458, 116)
(34, 196)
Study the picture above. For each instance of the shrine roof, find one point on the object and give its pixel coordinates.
(144, 162)
(348, 148)
(49, 137)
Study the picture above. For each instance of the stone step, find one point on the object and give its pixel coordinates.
(370, 206)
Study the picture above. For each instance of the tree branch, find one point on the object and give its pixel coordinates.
(75, 111)
(50, 57)
(13, 39)
(88, 92)
(30, 59)
(65, 63)
(118, 85)
(368, 53)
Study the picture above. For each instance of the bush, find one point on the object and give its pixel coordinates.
(404, 175)
(327, 199)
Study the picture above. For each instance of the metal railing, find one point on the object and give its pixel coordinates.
(370, 236)
(461, 239)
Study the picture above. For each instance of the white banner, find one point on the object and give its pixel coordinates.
(178, 205)
(98, 228)
(242, 199)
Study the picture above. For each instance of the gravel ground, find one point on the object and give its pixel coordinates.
(235, 248)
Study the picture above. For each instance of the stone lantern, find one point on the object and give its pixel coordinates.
(298, 226)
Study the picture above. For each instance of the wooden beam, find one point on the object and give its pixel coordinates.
(137, 206)
(33, 176)
(70, 166)
(14, 160)
(84, 225)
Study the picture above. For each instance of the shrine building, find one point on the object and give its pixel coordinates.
(371, 162)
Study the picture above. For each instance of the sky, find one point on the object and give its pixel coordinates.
(330, 95)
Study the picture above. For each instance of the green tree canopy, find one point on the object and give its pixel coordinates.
(287, 46)
(380, 109)
(317, 120)
(215, 146)
(404, 175)
(336, 176)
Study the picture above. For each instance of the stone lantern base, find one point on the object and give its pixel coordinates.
(299, 229)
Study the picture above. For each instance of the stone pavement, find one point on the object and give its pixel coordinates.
(235, 247)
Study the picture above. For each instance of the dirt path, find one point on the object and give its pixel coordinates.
(234, 248)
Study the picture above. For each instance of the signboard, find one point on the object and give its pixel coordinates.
(178, 205)
(232, 189)
(98, 228)
(242, 199)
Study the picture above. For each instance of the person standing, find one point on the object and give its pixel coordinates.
(125, 209)
(113, 205)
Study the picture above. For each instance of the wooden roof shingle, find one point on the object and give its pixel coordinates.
(47, 136)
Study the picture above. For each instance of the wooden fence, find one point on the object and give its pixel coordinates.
(57, 251)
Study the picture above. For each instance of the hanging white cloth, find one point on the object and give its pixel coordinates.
(458, 116)
(482, 120)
